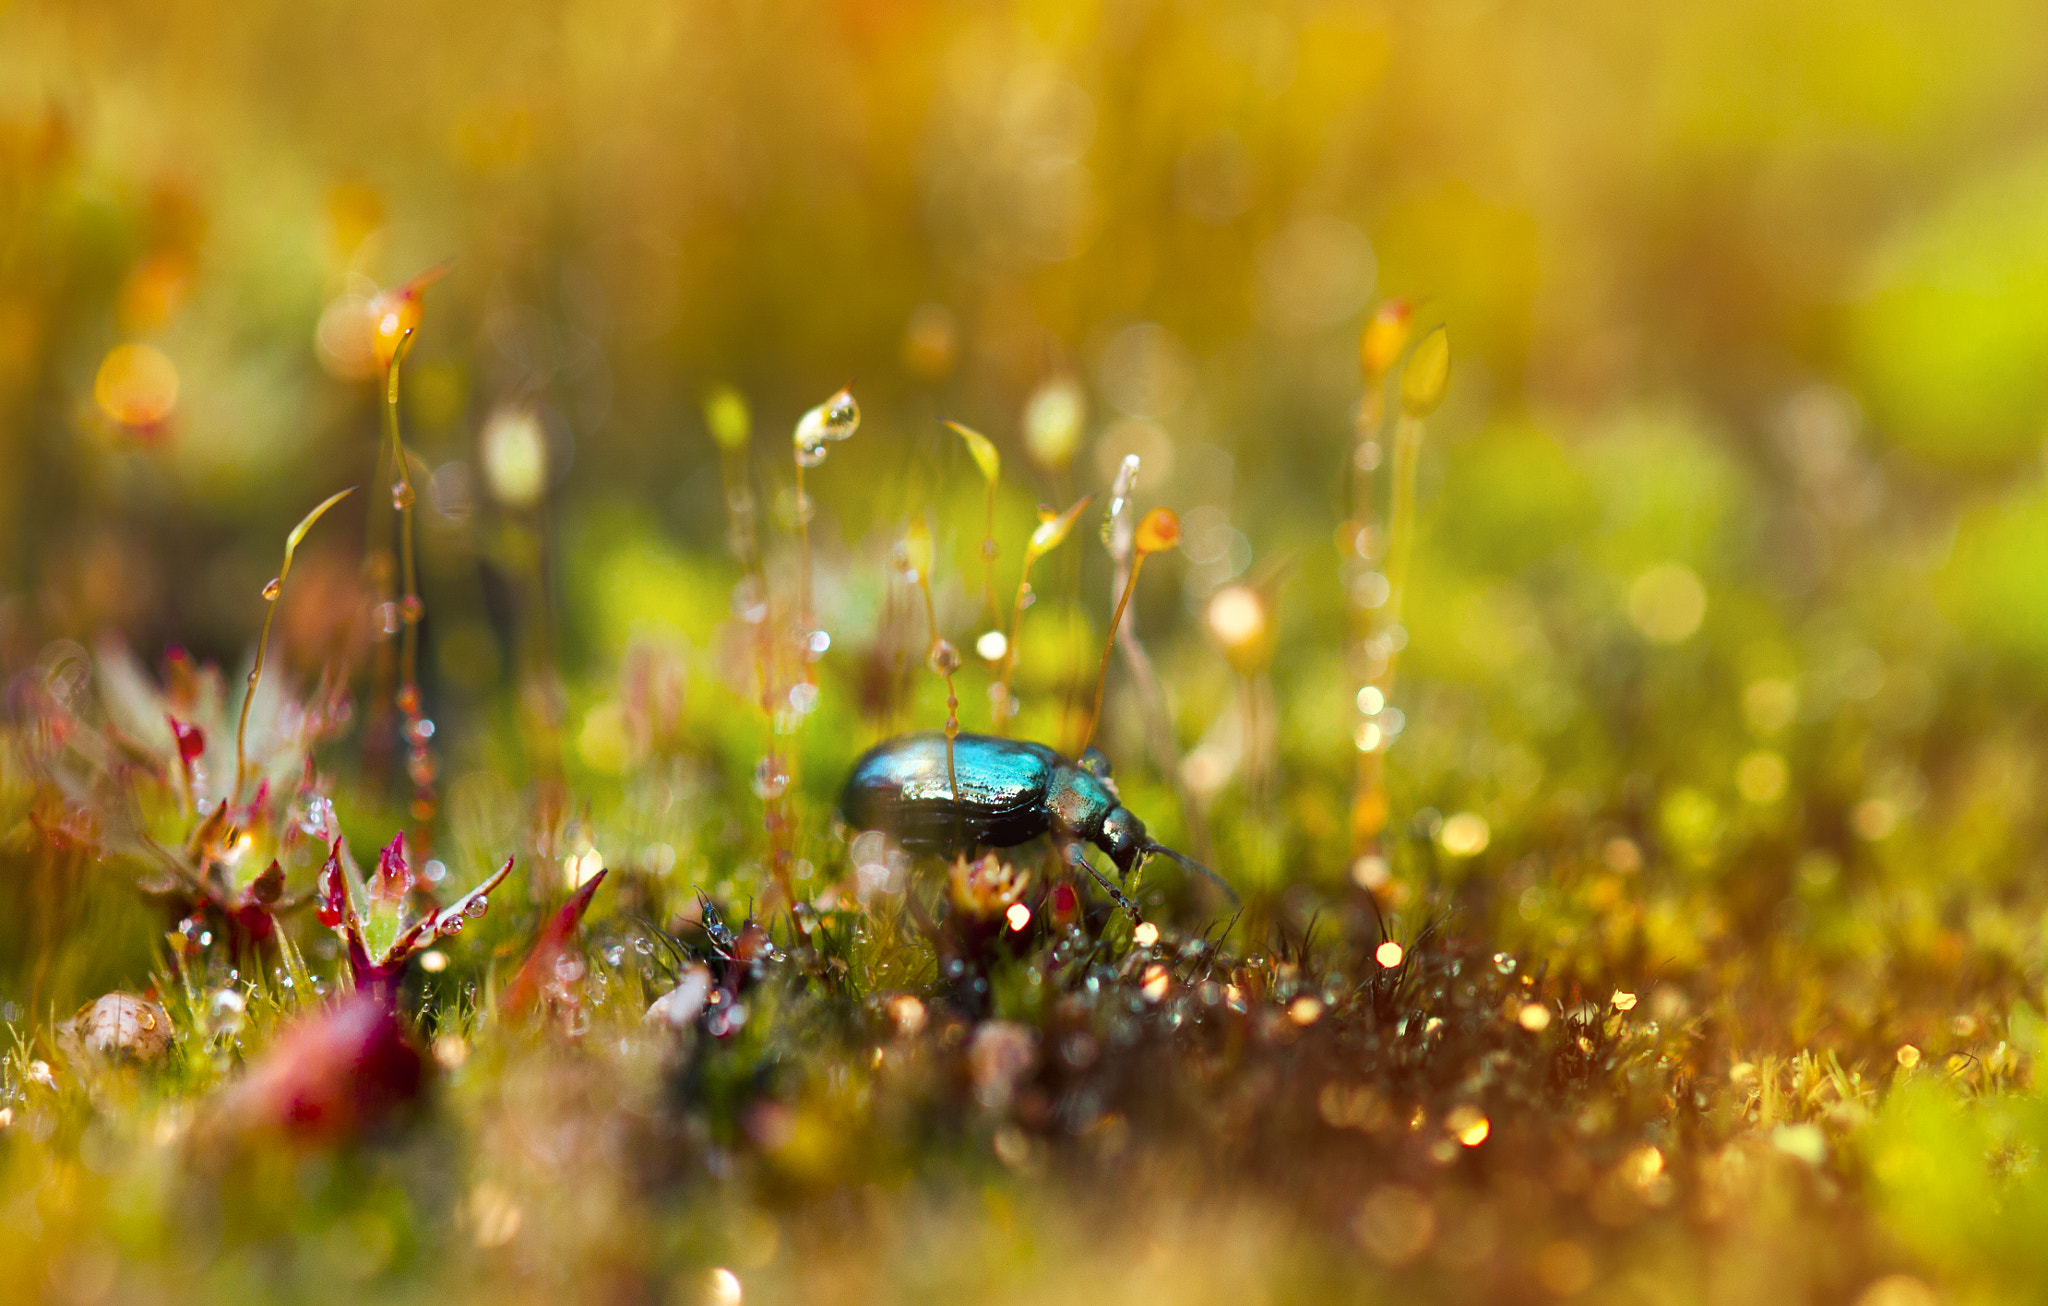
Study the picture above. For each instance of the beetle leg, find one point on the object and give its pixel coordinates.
(1077, 857)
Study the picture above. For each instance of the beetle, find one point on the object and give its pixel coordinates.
(1010, 791)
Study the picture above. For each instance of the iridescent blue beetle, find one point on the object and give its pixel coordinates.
(1010, 791)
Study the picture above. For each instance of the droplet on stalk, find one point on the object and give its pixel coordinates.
(770, 780)
(401, 495)
(273, 589)
(835, 419)
(1119, 497)
(842, 415)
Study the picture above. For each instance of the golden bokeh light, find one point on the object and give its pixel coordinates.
(137, 386)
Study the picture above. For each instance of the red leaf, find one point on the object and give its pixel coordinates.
(332, 890)
(1066, 904)
(394, 877)
(337, 908)
(423, 932)
(527, 986)
(332, 1074)
(191, 740)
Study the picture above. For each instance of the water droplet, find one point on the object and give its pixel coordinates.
(271, 591)
(401, 495)
(450, 925)
(748, 603)
(835, 419)
(819, 642)
(643, 945)
(1004, 702)
(316, 815)
(803, 697)
(476, 907)
(615, 955)
(943, 658)
(769, 780)
(410, 609)
(224, 1012)
(842, 416)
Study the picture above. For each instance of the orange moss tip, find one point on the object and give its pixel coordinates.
(396, 314)
(1385, 336)
(1159, 531)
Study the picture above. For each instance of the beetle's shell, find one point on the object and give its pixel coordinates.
(900, 786)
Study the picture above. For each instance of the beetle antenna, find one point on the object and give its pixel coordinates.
(1195, 866)
(1077, 858)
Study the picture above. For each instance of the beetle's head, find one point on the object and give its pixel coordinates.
(1124, 839)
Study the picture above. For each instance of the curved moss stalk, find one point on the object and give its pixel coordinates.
(270, 597)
